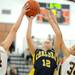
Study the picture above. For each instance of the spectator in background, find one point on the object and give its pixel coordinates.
(13, 70)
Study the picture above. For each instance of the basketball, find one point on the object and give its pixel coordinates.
(34, 7)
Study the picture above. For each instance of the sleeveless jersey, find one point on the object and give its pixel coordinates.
(45, 63)
(68, 67)
(3, 61)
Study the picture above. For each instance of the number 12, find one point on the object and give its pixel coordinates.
(46, 63)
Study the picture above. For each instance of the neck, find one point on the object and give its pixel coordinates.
(45, 48)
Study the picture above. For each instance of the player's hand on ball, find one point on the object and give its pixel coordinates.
(47, 16)
(25, 8)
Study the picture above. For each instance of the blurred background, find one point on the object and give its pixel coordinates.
(20, 61)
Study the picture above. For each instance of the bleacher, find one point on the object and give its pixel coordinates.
(21, 65)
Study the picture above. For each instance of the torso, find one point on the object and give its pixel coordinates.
(68, 66)
(44, 62)
(3, 58)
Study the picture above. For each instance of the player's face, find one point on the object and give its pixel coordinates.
(47, 44)
(72, 50)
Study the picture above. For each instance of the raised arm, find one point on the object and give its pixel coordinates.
(10, 38)
(59, 43)
(58, 34)
(29, 37)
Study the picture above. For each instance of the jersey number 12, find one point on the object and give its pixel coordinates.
(46, 63)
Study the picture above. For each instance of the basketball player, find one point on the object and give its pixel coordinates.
(45, 58)
(4, 46)
(68, 65)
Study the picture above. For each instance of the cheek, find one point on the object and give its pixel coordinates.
(50, 44)
(47, 45)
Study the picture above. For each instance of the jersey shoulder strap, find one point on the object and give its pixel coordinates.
(52, 49)
(37, 50)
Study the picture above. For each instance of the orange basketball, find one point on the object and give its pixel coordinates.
(34, 8)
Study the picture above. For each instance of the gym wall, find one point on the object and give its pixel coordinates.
(4, 30)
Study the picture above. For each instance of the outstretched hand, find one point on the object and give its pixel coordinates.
(25, 8)
(46, 14)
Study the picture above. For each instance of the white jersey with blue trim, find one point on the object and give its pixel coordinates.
(3, 61)
(68, 67)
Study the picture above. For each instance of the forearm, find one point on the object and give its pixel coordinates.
(29, 37)
(17, 24)
(53, 17)
(58, 35)
(11, 36)
(56, 23)
(54, 26)
(29, 30)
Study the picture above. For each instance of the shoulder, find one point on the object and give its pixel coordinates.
(38, 49)
(52, 50)
(2, 50)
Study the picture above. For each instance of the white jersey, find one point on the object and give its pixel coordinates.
(3, 58)
(68, 67)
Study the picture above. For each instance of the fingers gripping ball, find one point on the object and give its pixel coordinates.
(34, 8)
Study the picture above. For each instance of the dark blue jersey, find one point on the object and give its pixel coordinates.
(45, 63)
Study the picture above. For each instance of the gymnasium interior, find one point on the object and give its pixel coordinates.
(20, 60)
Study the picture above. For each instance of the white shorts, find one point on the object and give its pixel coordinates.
(3, 58)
